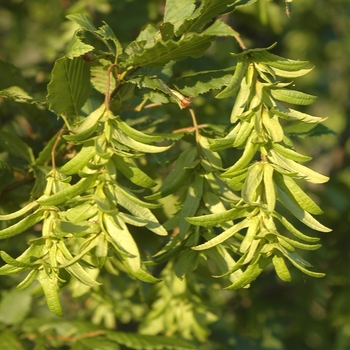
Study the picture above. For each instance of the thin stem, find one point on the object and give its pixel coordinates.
(59, 136)
(107, 97)
(240, 42)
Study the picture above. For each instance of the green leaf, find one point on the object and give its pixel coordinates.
(217, 219)
(279, 62)
(293, 230)
(222, 237)
(20, 212)
(210, 9)
(290, 153)
(296, 168)
(118, 231)
(68, 193)
(64, 258)
(177, 11)
(250, 274)
(128, 195)
(248, 154)
(149, 342)
(269, 187)
(191, 204)
(18, 94)
(299, 213)
(299, 263)
(141, 212)
(69, 87)
(252, 182)
(22, 225)
(177, 176)
(165, 51)
(291, 114)
(12, 144)
(126, 140)
(87, 126)
(288, 185)
(11, 76)
(79, 161)
(77, 47)
(9, 341)
(14, 307)
(202, 82)
(232, 88)
(252, 231)
(281, 268)
(136, 134)
(132, 172)
(83, 21)
(292, 96)
(49, 283)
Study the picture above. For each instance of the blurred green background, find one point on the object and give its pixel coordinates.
(306, 313)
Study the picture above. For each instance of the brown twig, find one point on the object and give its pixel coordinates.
(240, 42)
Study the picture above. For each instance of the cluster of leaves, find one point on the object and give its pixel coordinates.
(97, 200)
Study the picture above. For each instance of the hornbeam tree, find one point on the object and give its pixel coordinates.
(135, 195)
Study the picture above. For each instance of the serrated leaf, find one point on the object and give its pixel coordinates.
(165, 51)
(202, 82)
(292, 96)
(18, 94)
(77, 47)
(83, 21)
(209, 9)
(177, 11)
(69, 87)
(107, 33)
(99, 77)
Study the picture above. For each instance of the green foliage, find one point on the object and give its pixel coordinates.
(133, 189)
